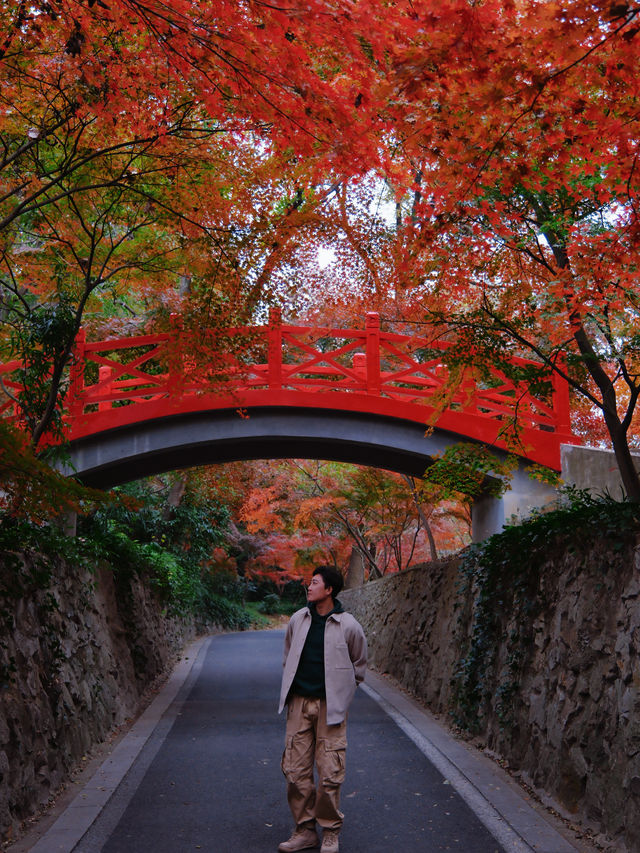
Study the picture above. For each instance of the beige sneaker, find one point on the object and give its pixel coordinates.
(330, 841)
(302, 839)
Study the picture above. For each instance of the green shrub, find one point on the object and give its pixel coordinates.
(133, 540)
(228, 585)
(273, 604)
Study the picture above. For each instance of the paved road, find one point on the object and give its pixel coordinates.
(209, 778)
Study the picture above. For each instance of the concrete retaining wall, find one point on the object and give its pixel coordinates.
(593, 469)
(574, 729)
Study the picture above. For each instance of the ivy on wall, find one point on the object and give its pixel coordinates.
(501, 581)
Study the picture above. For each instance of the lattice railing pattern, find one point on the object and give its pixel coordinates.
(114, 382)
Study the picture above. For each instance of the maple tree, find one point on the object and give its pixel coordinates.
(141, 146)
(32, 490)
(288, 516)
(517, 168)
(510, 226)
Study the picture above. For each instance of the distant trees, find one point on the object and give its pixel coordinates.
(305, 513)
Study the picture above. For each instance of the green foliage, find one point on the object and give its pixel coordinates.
(134, 535)
(40, 339)
(30, 489)
(227, 614)
(542, 474)
(272, 599)
(272, 603)
(170, 546)
(258, 619)
(229, 585)
(44, 543)
(190, 530)
(467, 470)
(269, 603)
(503, 575)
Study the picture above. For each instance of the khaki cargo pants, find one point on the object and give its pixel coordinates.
(308, 737)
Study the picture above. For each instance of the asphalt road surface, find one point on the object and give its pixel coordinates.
(209, 778)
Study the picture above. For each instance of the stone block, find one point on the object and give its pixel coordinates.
(538, 709)
(596, 685)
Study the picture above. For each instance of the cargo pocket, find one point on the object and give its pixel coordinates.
(331, 759)
(285, 764)
(297, 759)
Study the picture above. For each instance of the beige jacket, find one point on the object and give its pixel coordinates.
(345, 659)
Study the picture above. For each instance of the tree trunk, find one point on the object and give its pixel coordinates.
(175, 496)
(617, 430)
(628, 472)
(617, 427)
(355, 570)
(425, 522)
(430, 537)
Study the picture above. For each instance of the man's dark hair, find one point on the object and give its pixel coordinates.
(331, 577)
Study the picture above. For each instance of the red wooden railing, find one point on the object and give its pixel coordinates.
(118, 382)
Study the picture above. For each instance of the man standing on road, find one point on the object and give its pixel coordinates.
(325, 658)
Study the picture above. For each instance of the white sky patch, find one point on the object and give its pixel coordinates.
(326, 256)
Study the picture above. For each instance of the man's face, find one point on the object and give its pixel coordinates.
(317, 591)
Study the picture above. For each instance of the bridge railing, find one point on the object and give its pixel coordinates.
(119, 381)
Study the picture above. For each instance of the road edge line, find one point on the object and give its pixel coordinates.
(418, 725)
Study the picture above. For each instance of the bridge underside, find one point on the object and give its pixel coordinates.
(202, 438)
(120, 455)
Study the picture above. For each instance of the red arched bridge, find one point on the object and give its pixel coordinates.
(143, 404)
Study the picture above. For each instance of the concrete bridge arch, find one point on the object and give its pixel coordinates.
(143, 448)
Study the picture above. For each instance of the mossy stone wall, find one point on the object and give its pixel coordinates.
(78, 650)
(558, 694)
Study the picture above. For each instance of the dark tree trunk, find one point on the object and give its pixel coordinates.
(355, 569)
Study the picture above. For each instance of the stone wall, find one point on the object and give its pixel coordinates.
(75, 661)
(573, 729)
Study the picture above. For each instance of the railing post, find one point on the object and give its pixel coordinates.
(274, 354)
(175, 361)
(76, 375)
(104, 376)
(372, 326)
(561, 402)
(360, 369)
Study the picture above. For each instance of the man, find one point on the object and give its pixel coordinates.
(325, 658)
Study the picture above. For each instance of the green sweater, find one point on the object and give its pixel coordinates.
(309, 679)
